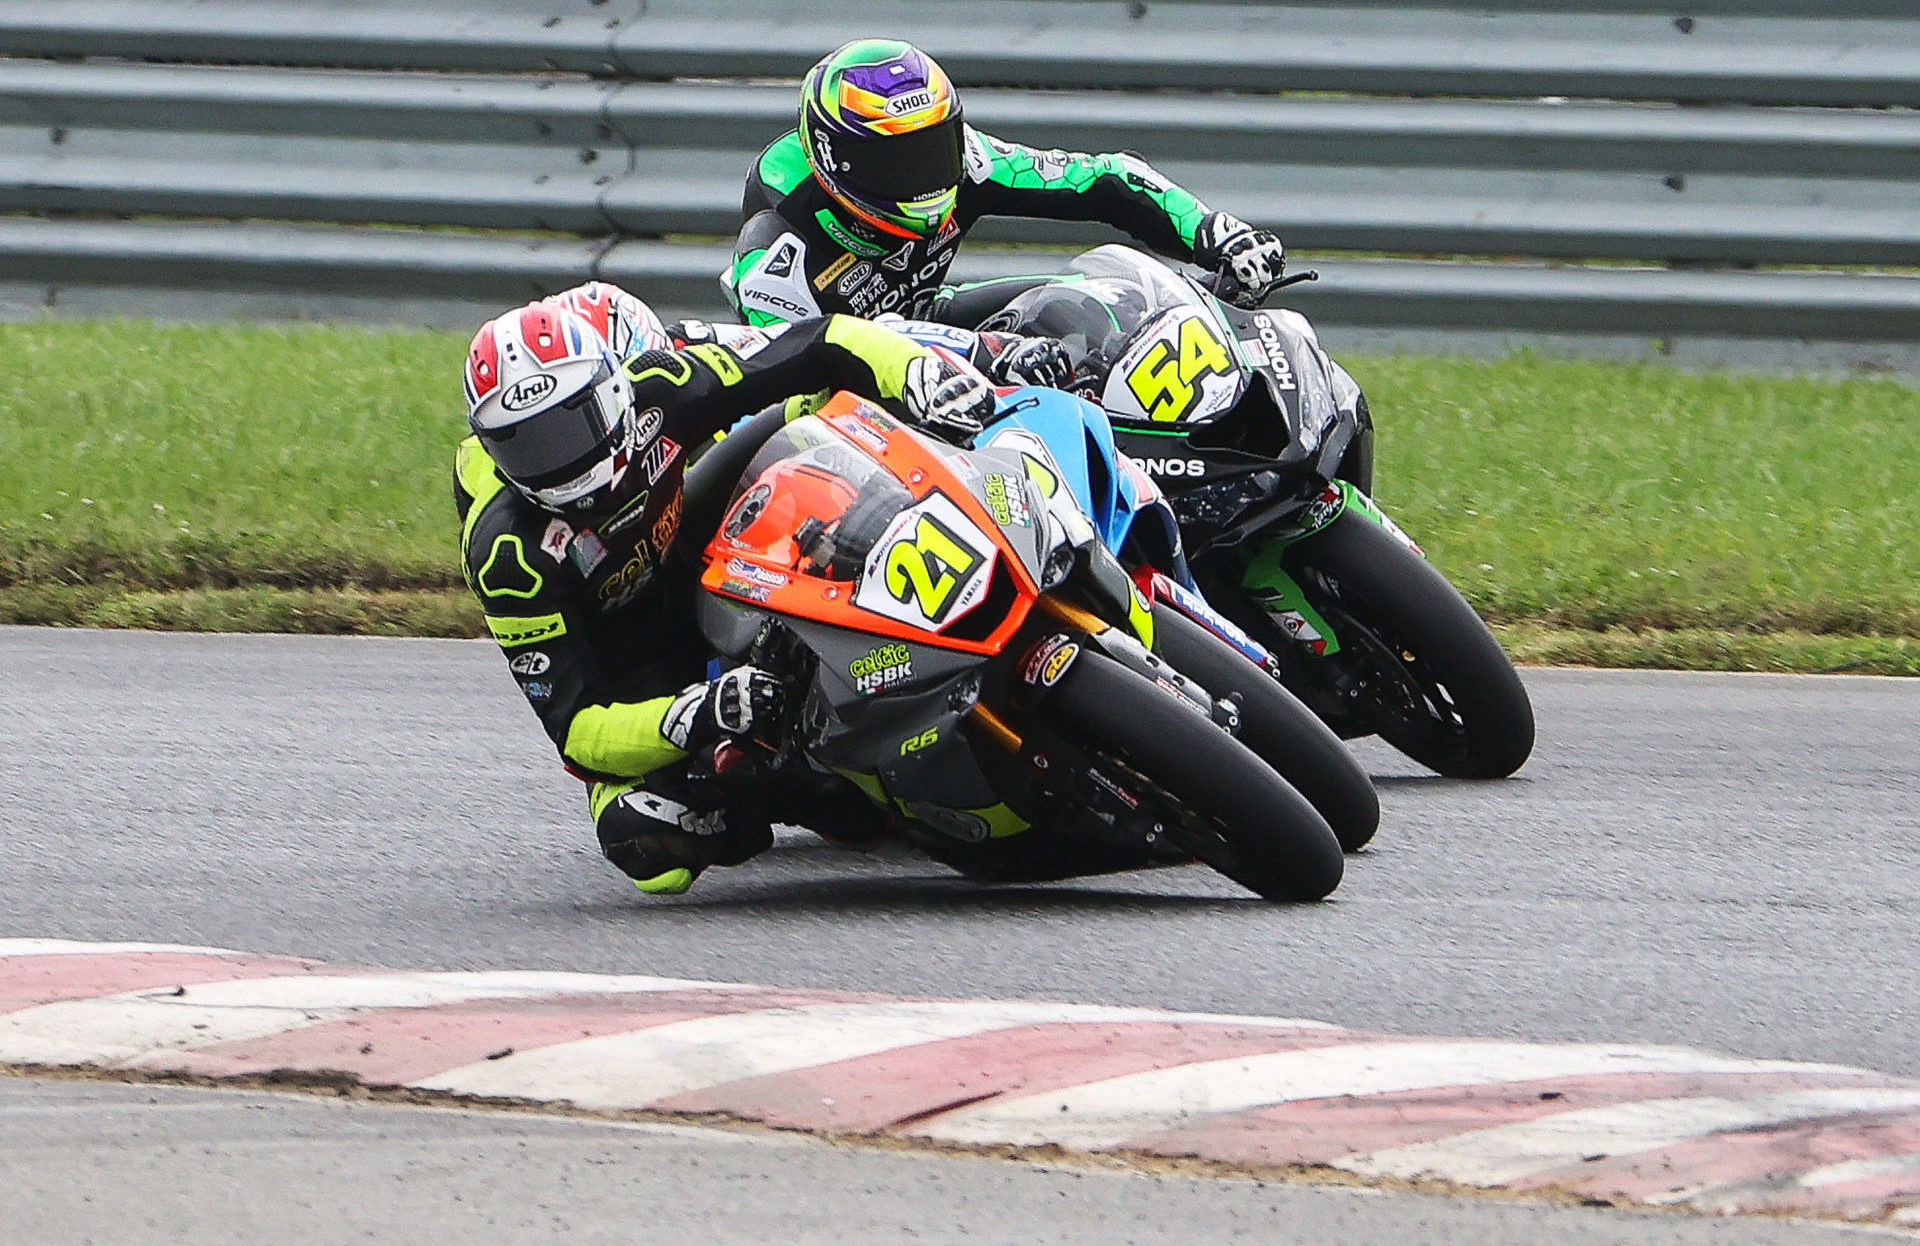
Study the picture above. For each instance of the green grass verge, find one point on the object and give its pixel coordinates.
(297, 479)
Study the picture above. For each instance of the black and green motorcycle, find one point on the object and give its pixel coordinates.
(1264, 446)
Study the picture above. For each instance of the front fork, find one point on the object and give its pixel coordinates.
(1273, 587)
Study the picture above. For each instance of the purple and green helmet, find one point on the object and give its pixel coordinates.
(881, 125)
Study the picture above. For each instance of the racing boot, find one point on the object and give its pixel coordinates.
(662, 834)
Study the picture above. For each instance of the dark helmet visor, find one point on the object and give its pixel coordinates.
(558, 444)
(903, 167)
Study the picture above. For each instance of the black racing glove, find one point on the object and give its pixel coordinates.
(1033, 361)
(744, 700)
(1250, 261)
(945, 401)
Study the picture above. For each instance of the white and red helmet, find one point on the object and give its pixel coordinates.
(552, 405)
(627, 325)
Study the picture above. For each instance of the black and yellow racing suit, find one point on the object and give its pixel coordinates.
(596, 623)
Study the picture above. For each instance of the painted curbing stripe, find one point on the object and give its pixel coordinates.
(139, 1028)
(1886, 1175)
(638, 1070)
(1511, 1153)
(1318, 1131)
(71, 947)
(1109, 1113)
(1628, 1123)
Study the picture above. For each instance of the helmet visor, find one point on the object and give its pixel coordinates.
(561, 443)
(903, 167)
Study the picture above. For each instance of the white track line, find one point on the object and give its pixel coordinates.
(142, 1027)
(1507, 1153)
(1108, 1113)
(70, 947)
(637, 1069)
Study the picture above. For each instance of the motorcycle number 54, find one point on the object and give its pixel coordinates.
(928, 568)
(1180, 371)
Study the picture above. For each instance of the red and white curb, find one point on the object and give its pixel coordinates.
(1607, 1122)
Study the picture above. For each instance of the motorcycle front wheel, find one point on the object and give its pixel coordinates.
(1242, 818)
(1276, 726)
(1416, 664)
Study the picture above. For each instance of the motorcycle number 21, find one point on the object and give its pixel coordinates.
(929, 567)
(1166, 379)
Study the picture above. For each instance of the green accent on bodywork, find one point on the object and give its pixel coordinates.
(1020, 167)
(846, 237)
(1002, 822)
(1276, 587)
(1277, 590)
(671, 883)
(497, 577)
(513, 631)
(1140, 614)
(868, 783)
(885, 352)
(783, 165)
(623, 738)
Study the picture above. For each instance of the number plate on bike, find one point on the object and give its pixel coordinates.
(929, 568)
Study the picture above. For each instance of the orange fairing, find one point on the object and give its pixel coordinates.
(849, 519)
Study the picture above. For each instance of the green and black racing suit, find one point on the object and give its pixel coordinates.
(800, 254)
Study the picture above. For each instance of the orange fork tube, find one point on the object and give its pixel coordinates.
(1072, 615)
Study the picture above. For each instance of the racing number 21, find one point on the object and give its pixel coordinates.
(1164, 381)
(924, 570)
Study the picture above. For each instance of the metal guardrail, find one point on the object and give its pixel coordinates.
(556, 122)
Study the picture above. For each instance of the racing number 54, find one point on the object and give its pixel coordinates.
(1164, 382)
(922, 571)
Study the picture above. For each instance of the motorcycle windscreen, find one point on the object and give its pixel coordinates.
(815, 504)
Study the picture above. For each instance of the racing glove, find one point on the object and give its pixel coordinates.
(1251, 260)
(945, 401)
(732, 707)
(1032, 361)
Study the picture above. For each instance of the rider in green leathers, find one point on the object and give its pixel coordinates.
(861, 208)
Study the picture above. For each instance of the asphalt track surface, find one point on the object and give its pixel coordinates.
(1720, 861)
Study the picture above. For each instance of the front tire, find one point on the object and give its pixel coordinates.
(1252, 825)
(1432, 680)
(1276, 726)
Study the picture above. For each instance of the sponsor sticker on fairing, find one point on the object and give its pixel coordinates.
(1047, 661)
(758, 574)
(881, 668)
(1006, 498)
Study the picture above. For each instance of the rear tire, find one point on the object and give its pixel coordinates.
(1439, 686)
(1279, 729)
(1258, 830)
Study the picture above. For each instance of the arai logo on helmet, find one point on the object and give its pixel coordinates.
(528, 392)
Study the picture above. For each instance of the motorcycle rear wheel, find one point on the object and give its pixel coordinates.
(1436, 683)
(1276, 726)
(1249, 823)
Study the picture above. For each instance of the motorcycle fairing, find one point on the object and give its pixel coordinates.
(1072, 441)
(849, 519)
